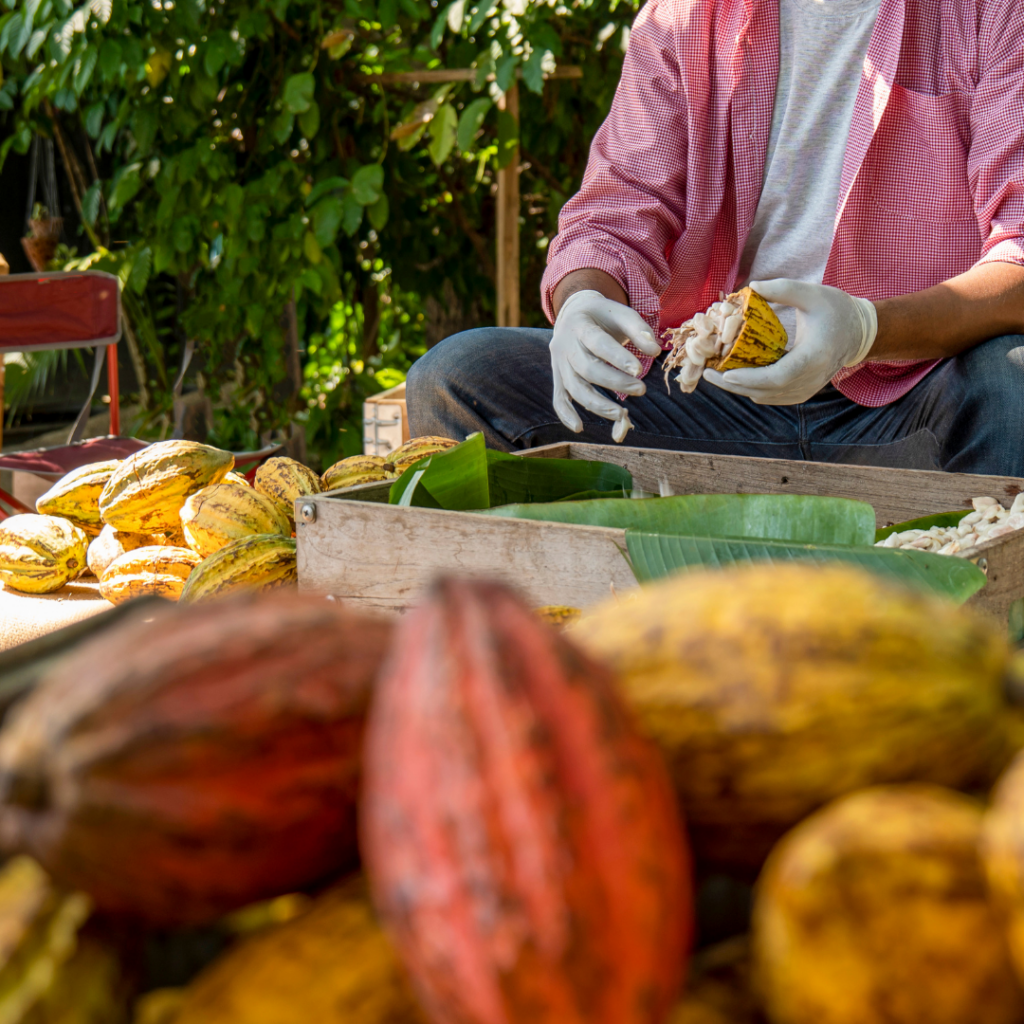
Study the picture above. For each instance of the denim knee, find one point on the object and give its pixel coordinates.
(992, 374)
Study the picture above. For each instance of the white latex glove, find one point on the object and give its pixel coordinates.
(833, 330)
(587, 349)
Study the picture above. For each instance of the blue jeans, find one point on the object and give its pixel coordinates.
(966, 416)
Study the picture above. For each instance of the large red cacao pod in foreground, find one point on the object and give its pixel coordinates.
(195, 759)
(522, 840)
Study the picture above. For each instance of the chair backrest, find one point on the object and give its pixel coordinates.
(75, 309)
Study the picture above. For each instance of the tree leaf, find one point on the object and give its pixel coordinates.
(387, 12)
(326, 218)
(141, 267)
(281, 127)
(144, 125)
(437, 32)
(126, 186)
(91, 203)
(309, 121)
(323, 187)
(654, 555)
(807, 519)
(298, 92)
(533, 70)
(505, 72)
(470, 121)
(353, 214)
(378, 213)
(442, 134)
(456, 12)
(367, 183)
(421, 115)
(481, 14)
(110, 58)
(94, 119)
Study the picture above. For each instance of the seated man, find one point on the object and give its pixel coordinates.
(861, 163)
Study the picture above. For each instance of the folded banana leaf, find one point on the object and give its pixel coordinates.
(655, 555)
(808, 519)
(470, 477)
(924, 523)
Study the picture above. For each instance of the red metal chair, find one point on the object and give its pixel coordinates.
(55, 310)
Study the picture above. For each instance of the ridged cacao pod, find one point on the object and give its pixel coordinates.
(874, 910)
(160, 571)
(523, 841)
(190, 761)
(234, 477)
(356, 469)
(417, 448)
(111, 544)
(772, 689)
(221, 513)
(331, 965)
(149, 488)
(40, 554)
(254, 564)
(76, 496)
(284, 481)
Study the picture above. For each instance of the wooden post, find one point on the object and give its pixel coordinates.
(508, 224)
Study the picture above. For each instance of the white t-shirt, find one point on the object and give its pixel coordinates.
(822, 45)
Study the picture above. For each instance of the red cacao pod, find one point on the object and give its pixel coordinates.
(522, 840)
(190, 761)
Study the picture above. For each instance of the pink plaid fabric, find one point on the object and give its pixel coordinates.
(933, 180)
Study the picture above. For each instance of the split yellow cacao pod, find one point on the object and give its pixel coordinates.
(222, 513)
(39, 554)
(356, 469)
(149, 487)
(284, 481)
(111, 544)
(76, 496)
(251, 564)
(234, 477)
(161, 571)
(418, 448)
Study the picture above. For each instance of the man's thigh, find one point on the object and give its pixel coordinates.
(498, 380)
(966, 416)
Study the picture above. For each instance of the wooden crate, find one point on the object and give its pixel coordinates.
(380, 556)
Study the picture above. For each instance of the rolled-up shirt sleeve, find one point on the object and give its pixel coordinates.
(996, 156)
(630, 208)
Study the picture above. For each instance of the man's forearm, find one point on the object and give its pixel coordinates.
(588, 279)
(985, 302)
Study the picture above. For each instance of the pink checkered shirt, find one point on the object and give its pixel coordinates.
(932, 184)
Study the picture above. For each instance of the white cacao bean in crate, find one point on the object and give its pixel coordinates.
(352, 544)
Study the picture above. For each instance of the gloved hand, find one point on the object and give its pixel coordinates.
(587, 348)
(833, 330)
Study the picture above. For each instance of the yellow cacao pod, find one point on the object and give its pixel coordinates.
(160, 570)
(149, 487)
(111, 544)
(39, 554)
(333, 964)
(283, 481)
(222, 513)
(234, 477)
(250, 564)
(76, 496)
(356, 469)
(418, 448)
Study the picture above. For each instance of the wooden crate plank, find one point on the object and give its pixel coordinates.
(378, 556)
(896, 494)
(1003, 561)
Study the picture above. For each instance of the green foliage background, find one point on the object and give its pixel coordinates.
(228, 155)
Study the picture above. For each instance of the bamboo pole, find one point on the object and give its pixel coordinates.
(440, 75)
(508, 224)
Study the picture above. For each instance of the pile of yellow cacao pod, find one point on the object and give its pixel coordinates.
(175, 520)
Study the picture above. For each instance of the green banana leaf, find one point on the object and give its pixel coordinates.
(470, 477)
(924, 523)
(655, 555)
(806, 519)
